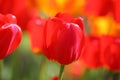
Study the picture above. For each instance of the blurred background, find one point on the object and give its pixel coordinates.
(101, 17)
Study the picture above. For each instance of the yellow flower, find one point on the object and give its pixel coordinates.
(104, 25)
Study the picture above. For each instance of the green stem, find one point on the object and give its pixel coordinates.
(1, 62)
(61, 72)
(43, 68)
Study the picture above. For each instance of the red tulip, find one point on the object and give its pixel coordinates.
(35, 27)
(116, 12)
(20, 9)
(91, 54)
(110, 49)
(55, 78)
(60, 38)
(98, 7)
(10, 35)
(103, 7)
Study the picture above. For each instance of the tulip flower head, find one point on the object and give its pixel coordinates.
(55, 78)
(110, 49)
(91, 54)
(60, 38)
(20, 8)
(103, 8)
(10, 35)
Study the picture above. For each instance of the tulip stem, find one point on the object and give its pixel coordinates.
(1, 62)
(61, 72)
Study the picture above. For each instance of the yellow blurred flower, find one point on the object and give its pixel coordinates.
(104, 25)
(51, 7)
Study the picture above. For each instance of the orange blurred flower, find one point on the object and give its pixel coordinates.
(51, 7)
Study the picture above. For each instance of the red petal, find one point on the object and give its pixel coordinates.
(9, 18)
(65, 17)
(116, 10)
(79, 21)
(72, 38)
(11, 36)
(52, 30)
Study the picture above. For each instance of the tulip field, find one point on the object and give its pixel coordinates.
(59, 39)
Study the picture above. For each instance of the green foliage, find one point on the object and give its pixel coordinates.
(23, 64)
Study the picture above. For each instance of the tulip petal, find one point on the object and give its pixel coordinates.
(65, 17)
(11, 36)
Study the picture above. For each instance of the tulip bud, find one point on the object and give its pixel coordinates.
(10, 35)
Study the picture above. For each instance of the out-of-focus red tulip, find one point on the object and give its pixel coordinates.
(60, 39)
(91, 54)
(10, 34)
(102, 8)
(110, 52)
(20, 9)
(116, 12)
(98, 7)
(55, 78)
(36, 32)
